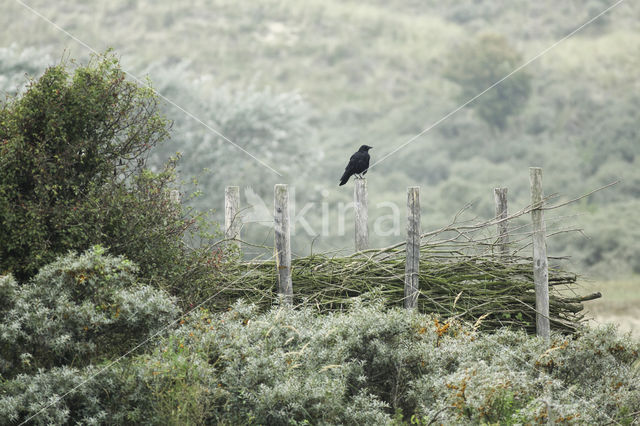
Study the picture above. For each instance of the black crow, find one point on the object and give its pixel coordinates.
(358, 164)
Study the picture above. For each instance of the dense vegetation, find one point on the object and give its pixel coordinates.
(73, 151)
(291, 82)
(108, 309)
(366, 365)
(73, 174)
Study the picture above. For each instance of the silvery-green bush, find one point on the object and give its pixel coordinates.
(377, 366)
(370, 365)
(36, 395)
(77, 309)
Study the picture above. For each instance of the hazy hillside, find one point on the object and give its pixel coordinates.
(300, 85)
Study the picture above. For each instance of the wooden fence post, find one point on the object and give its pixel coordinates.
(232, 219)
(540, 262)
(361, 213)
(283, 243)
(412, 266)
(500, 197)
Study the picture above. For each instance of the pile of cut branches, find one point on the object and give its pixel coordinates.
(463, 274)
(488, 291)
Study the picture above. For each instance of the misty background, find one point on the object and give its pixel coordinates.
(301, 85)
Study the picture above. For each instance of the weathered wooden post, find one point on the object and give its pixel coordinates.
(174, 196)
(540, 262)
(500, 197)
(282, 242)
(412, 266)
(361, 213)
(232, 220)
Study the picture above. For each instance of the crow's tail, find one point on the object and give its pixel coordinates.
(344, 179)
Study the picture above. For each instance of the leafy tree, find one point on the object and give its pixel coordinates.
(477, 65)
(73, 150)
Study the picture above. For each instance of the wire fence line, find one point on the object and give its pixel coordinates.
(459, 241)
(462, 235)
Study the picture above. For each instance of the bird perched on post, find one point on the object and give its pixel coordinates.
(358, 164)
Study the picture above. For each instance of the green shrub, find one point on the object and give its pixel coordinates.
(376, 366)
(77, 310)
(254, 369)
(366, 366)
(73, 149)
(35, 394)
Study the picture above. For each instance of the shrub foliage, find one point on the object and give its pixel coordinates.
(370, 365)
(72, 172)
(77, 310)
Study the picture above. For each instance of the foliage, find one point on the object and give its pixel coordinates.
(375, 73)
(482, 63)
(35, 395)
(72, 173)
(77, 310)
(294, 365)
(371, 365)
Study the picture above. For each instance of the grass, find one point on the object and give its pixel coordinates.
(620, 303)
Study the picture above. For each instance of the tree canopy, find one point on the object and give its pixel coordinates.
(72, 169)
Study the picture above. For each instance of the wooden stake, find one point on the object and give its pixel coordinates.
(232, 219)
(412, 266)
(500, 197)
(282, 243)
(362, 215)
(540, 262)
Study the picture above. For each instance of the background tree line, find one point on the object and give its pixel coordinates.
(301, 87)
